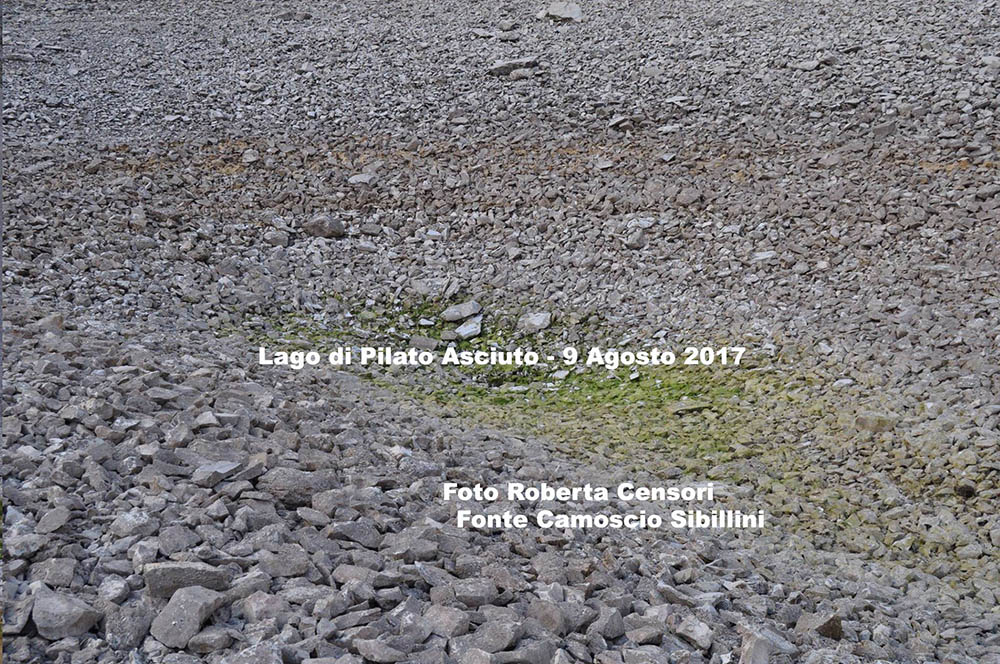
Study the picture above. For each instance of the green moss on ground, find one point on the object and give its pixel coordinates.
(665, 415)
(767, 426)
(657, 418)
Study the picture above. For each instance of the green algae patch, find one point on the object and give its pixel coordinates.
(669, 419)
(658, 418)
(674, 419)
(770, 428)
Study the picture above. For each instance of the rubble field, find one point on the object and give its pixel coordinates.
(817, 183)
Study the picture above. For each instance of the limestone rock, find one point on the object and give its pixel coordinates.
(163, 579)
(57, 616)
(325, 226)
(564, 11)
(184, 614)
(534, 322)
(458, 312)
(824, 624)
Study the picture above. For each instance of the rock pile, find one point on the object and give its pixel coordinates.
(169, 507)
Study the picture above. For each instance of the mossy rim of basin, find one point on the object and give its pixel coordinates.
(653, 417)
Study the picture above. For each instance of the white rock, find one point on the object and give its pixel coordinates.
(564, 11)
(534, 322)
(470, 328)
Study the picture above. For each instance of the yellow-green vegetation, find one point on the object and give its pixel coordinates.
(665, 419)
(766, 426)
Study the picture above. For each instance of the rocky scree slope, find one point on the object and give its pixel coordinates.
(818, 180)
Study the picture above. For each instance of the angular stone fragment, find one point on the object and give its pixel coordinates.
(446, 621)
(421, 342)
(806, 65)
(114, 589)
(173, 539)
(788, 614)
(296, 487)
(534, 322)
(362, 178)
(16, 615)
(325, 226)
(762, 256)
(355, 618)
(311, 516)
(54, 572)
(505, 67)
(211, 474)
(51, 323)
(884, 130)
(23, 546)
(346, 572)
(874, 422)
(824, 624)
(636, 239)
(163, 579)
(496, 635)
(134, 522)
(549, 614)
(754, 650)
(578, 615)
(433, 575)
(645, 655)
(184, 614)
(645, 635)
(963, 459)
(181, 658)
(528, 652)
(161, 395)
(695, 632)
(248, 585)
(458, 312)
(377, 651)
(475, 656)
(564, 11)
(57, 616)
(52, 520)
(562, 657)
(206, 420)
(362, 531)
(290, 560)
(262, 605)
(475, 592)
(179, 436)
(126, 627)
(470, 328)
(688, 195)
(609, 623)
(759, 643)
(276, 238)
(210, 639)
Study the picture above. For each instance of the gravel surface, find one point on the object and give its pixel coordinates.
(818, 182)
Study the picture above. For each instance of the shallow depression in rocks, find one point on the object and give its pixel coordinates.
(184, 183)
